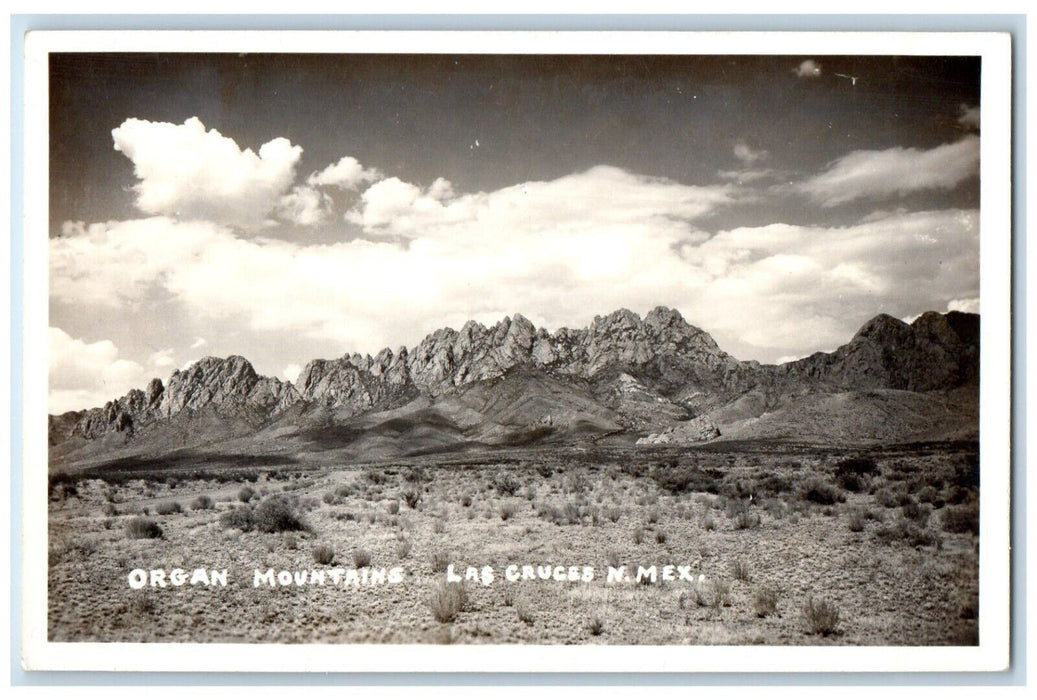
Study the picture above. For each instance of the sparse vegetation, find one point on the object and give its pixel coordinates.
(324, 554)
(168, 508)
(140, 528)
(765, 602)
(202, 502)
(821, 616)
(447, 600)
(361, 558)
(961, 519)
(246, 494)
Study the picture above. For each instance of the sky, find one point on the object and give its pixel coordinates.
(293, 207)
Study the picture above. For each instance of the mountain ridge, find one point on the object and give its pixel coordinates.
(645, 376)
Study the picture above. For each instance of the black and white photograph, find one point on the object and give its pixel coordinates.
(469, 347)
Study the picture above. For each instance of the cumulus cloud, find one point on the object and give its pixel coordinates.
(599, 197)
(968, 117)
(748, 155)
(198, 343)
(304, 206)
(291, 372)
(191, 173)
(161, 358)
(765, 292)
(808, 69)
(84, 374)
(967, 305)
(346, 174)
(894, 171)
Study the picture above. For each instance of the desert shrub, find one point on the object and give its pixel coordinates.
(344, 491)
(613, 558)
(817, 491)
(708, 523)
(506, 484)
(507, 510)
(291, 541)
(680, 479)
(544, 470)
(596, 626)
(276, 514)
(448, 598)
(403, 549)
(747, 520)
(143, 529)
(966, 473)
(440, 561)
(916, 512)
(771, 485)
(765, 601)
(857, 520)
(202, 502)
(719, 593)
(411, 497)
(246, 494)
(903, 530)
(393, 507)
(109, 510)
(857, 466)
(416, 475)
(821, 616)
(466, 500)
(240, 518)
(525, 611)
(330, 498)
(168, 508)
(613, 513)
(375, 476)
(639, 535)
(961, 519)
(740, 570)
(660, 537)
(361, 558)
(324, 554)
(932, 496)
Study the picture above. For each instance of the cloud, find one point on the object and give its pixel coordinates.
(765, 292)
(894, 171)
(747, 155)
(601, 196)
(346, 174)
(968, 117)
(161, 358)
(808, 69)
(190, 173)
(749, 176)
(304, 206)
(967, 305)
(291, 372)
(85, 374)
(198, 343)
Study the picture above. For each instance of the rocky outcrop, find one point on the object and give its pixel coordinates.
(654, 372)
(696, 430)
(936, 351)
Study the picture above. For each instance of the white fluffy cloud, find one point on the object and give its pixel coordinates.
(894, 171)
(764, 291)
(601, 197)
(191, 173)
(808, 69)
(967, 305)
(748, 155)
(346, 174)
(86, 374)
(304, 206)
(291, 372)
(968, 117)
(161, 358)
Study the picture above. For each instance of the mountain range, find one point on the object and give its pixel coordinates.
(651, 380)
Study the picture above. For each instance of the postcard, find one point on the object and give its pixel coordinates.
(432, 351)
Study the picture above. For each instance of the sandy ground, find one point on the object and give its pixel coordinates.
(887, 590)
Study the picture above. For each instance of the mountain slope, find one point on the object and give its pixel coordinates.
(512, 383)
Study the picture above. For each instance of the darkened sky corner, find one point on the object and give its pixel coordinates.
(286, 207)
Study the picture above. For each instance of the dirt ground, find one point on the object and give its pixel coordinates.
(781, 548)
